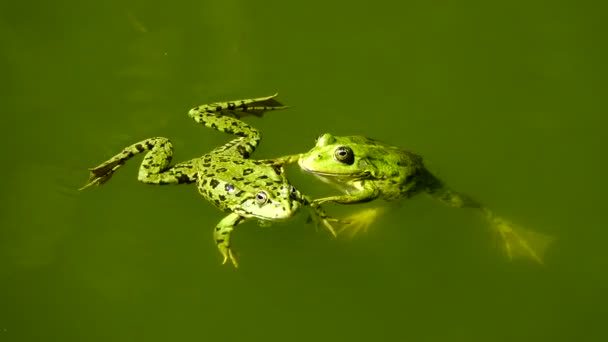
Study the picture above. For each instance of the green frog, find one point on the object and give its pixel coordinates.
(365, 169)
(246, 188)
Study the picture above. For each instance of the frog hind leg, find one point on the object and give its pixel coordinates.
(516, 241)
(225, 117)
(154, 168)
(221, 236)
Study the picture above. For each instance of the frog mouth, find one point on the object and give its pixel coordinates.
(319, 173)
(330, 174)
(277, 218)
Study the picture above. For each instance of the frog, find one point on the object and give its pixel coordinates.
(365, 169)
(227, 177)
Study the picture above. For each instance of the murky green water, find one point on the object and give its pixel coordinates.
(507, 102)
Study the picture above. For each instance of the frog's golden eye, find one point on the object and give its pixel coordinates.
(261, 198)
(344, 155)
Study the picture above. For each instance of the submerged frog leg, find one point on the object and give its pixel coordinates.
(437, 189)
(221, 235)
(224, 117)
(153, 170)
(517, 241)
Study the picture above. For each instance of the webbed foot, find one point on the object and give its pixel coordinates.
(260, 105)
(238, 108)
(361, 221)
(521, 243)
(102, 173)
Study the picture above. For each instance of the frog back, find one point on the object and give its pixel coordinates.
(398, 173)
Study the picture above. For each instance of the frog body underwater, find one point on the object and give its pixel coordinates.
(365, 169)
(246, 188)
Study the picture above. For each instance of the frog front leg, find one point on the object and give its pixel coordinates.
(221, 235)
(362, 219)
(282, 161)
(154, 168)
(364, 192)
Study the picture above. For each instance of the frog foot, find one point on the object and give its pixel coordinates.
(320, 218)
(361, 221)
(239, 108)
(260, 105)
(102, 173)
(519, 242)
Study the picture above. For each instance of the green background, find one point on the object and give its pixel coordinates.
(505, 100)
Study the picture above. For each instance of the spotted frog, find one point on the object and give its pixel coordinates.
(246, 188)
(365, 169)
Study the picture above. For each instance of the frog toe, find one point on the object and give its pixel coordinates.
(360, 221)
(521, 243)
(102, 173)
(229, 255)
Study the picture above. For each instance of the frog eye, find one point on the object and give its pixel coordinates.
(229, 188)
(293, 191)
(261, 197)
(344, 155)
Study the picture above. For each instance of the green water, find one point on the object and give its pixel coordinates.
(506, 101)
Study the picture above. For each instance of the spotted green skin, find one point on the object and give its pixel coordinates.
(245, 188)
(376, 171)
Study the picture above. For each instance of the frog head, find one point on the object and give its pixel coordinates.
(342, 159)
(269, 203)
(251, 190)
